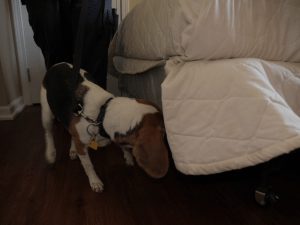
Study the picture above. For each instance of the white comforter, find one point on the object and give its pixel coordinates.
(229, 114)
(231, 98)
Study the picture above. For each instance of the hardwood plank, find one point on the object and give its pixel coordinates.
(32, 193)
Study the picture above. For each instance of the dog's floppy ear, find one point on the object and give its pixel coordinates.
(150, 150)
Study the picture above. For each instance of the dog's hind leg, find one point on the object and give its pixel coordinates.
(47, 121)
(95, 183)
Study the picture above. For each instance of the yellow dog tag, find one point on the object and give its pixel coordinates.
(93, 145)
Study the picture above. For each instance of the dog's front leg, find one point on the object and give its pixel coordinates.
(47, 121)
(95, 182)
(73, 152)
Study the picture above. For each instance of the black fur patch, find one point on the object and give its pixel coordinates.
(61, 87)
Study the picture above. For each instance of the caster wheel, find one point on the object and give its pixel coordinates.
(265, 196)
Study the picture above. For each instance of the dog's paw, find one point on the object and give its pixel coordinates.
(129, 162)
(128, 159)
(97, 186)
(50, 156)
(73, 154)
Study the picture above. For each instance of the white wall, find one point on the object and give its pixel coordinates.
(10, 94)
(3, 96)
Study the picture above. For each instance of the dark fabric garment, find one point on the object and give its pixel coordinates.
(55, 23)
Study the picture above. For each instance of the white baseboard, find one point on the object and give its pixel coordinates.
(10, 111)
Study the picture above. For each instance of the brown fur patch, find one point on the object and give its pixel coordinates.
(80, 92)
(150, 150)
(75, 136)
(148, 144)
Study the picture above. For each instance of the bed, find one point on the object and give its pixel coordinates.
(226, 74)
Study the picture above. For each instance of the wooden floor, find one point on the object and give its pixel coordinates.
(32, 193)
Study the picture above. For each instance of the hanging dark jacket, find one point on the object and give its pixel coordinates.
(54, 24)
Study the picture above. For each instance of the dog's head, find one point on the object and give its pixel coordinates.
(148, 145)
(149, 149)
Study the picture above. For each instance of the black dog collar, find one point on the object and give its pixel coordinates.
(100, 118)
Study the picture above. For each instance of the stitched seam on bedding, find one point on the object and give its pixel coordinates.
(243, 156)
(232, 139)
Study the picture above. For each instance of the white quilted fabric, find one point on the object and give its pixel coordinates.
(229, 114)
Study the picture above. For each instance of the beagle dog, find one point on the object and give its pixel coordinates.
(89, 113)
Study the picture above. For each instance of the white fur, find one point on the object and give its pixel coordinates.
(123, 114)
(92, 101)
(47, 121)
(128, 158)
(95, 183)
(73, 152)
